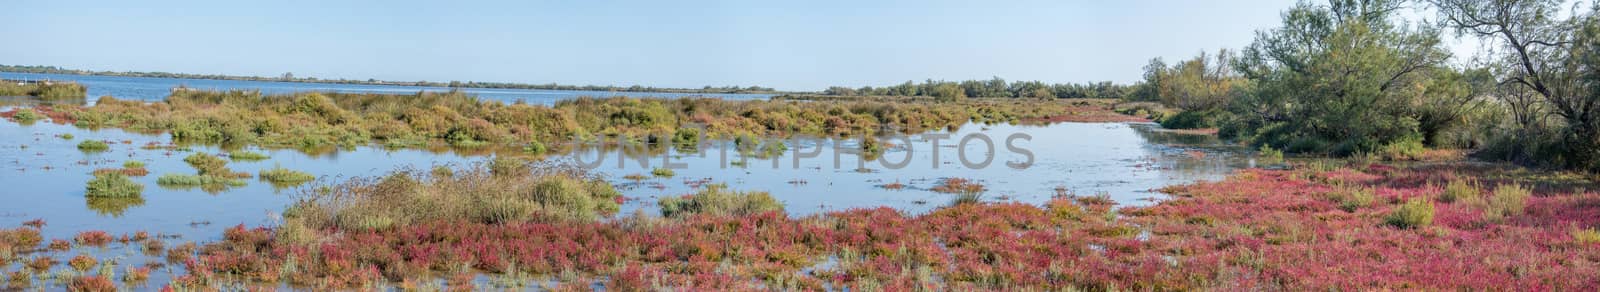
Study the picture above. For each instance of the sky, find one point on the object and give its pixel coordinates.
(789, 45)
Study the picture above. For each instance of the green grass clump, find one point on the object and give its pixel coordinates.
(1506, 201)
(210, 165)
(718, 200)
(246, 155)
(1414, 213)
(534, 147)
(112, 185)
(1460, 190)
(281, 175)
(1351, 199)
(133, 164)
(67, 136)
(93, 145)
(48, 91)
(1586, 235)
(508, 166)
(189, 180)
(26, 115)
(468, 195)
(1269, 155)
(663, 172)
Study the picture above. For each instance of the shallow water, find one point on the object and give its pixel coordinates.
(156, 89)
(44, 175)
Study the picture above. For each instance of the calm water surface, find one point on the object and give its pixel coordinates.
(44, 175)
(156, 89)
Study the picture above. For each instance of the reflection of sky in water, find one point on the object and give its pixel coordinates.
(46, 178)
(154, 89)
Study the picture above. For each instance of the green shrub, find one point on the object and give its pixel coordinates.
(534, 147)
(1354, 198)
(1506, 201)
(1408, 148)
(1586, 236)
(716, 199)
(189, 180)
(508, 166)
(1460, 190)
(209, 165)
(245, 155)
(663, 172)
(26, 115)
(1270, 156)
(278, 174)
(686, 138)
(1193, 119)
(93, 145)
(113, 185)
(1414, 213)
(470, 195)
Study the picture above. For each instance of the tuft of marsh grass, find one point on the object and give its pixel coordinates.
(93, 145)
(716, 199)
(278, 174)
(189, 180)
(663, 172)
(1507, 200)
(210, 165)
(477, 194)
(246, 155)
(26, 115)
(1460, 190)
(133, 164)
(1586, 235)
(112, 185)
(1414, 213)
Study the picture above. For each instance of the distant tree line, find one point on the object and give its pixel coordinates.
(289, 77)
(996, 87)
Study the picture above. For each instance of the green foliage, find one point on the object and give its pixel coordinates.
(209, 165)
(1586, 236)
(1506, 201)
(1269, 156)
(93, 146)
(26, 115)
(48, 91)
(133, 164)
(1460, 190)
(1408, 148)
(663, 172)
(1194, 119)
(245, 155)
(472, 195)
(112, 185)
(508, 166)
(949, 92)
(1202, 84)
(534, 147)
(1415, 213)
(278, 174)
(1350, 199)
(1344, 72)
(190, 180)
(717, 200)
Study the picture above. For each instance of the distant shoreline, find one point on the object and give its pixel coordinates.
(452, 84)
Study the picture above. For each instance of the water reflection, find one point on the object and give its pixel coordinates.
(112, 206)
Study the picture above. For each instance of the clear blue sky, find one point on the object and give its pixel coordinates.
(791, 45)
